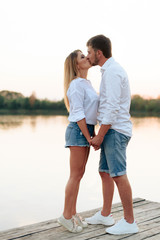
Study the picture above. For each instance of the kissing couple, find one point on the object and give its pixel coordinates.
(111, 110)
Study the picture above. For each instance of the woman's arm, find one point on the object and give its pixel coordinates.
(83, 126)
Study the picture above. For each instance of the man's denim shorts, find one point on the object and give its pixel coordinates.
(74, 136)
(113, 153)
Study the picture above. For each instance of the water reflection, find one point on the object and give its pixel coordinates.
(143, 121)
(13, 121)
(18, 121)
(7, 122)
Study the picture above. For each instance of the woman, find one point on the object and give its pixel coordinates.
(82, 102)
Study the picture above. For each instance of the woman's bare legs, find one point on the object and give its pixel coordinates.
(76, 194)
(78, 160)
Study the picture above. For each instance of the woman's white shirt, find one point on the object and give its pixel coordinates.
(83, 101)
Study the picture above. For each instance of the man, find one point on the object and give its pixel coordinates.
(113, 136)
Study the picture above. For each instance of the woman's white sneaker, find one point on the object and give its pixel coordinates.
(69, 224)
(99, 219)
(123, 227)
(80, 221)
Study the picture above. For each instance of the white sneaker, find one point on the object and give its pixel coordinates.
(99, 219)
(69, 224)
(123, 227)
(80, 221)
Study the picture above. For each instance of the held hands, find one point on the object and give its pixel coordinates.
(96, 142)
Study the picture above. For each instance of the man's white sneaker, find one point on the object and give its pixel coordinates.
(123, 227)
(80, 221)
(69, 224)
(99, 219)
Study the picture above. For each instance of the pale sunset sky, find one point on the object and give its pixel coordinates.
(37, 35)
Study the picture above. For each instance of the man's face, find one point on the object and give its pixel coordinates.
(92, 56)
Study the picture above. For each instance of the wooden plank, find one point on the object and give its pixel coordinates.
(38, 227)
(147, 214)
(156, 237)
(145, 232)
(146, 229)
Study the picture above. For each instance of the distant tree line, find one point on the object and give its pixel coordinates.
(139, 105)
(32, 104)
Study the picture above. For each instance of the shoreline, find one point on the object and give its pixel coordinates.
(64, 113)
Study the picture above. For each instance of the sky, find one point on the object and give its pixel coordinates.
(37, 35)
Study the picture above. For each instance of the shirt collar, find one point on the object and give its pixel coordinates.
(106, 64)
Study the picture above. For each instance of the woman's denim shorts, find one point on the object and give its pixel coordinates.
(74, 136)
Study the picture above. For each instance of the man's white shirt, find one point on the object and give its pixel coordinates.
(115, 98)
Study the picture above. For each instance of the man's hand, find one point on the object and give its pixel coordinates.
(96, 142)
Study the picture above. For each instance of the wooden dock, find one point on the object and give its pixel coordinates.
(147, 214)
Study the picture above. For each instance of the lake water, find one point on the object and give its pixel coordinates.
(34, 168)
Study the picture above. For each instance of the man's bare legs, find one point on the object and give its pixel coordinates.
(108, 190)
(125, 193)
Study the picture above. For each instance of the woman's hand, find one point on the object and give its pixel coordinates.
(89, 141)
(96, 142)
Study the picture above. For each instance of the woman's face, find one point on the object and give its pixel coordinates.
(82, 61)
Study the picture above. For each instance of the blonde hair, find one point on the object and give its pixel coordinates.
(70, 73)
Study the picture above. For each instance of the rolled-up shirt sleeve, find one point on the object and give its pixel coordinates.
(112, 93)
(76, 101)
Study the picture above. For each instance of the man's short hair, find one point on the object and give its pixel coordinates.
(100, 42)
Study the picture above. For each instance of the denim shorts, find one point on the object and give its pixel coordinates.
(74, 136)
(113, 153)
